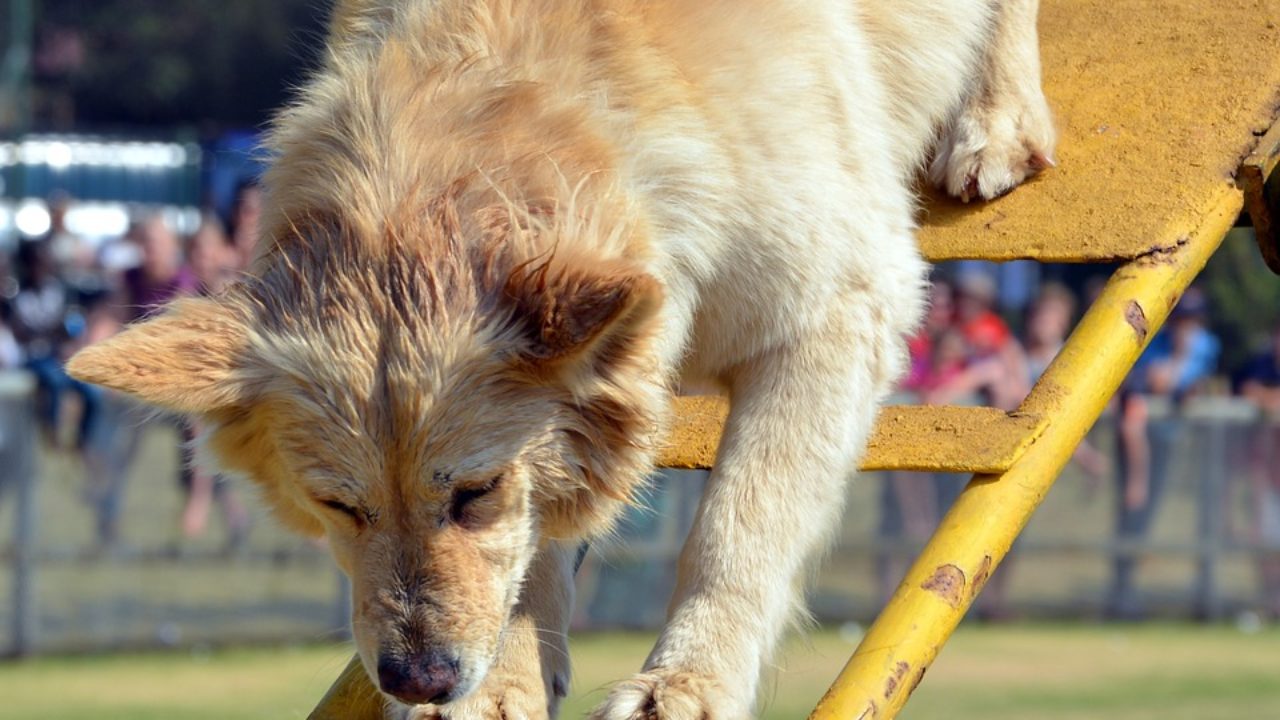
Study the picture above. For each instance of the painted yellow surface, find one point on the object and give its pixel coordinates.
(906, 437)
(1156, 102)
(975, 535)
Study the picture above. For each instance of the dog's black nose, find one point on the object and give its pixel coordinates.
(419, 679)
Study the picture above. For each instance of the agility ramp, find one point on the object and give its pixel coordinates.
(1167, 120)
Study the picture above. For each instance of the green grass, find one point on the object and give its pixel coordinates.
(1038, 671)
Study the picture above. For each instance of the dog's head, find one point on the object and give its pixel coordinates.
(435, 405)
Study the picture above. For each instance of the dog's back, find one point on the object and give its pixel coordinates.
(730, 126)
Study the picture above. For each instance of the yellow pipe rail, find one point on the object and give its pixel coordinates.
(978, 531)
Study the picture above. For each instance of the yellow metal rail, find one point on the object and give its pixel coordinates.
(975, 535)
(352, 697)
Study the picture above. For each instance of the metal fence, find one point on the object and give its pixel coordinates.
(1199, 559)
(65, 591)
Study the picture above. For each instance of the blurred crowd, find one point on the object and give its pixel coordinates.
(968, 353)
(60, 292)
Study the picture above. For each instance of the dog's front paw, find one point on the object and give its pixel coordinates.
(987, 152)
(670, 695)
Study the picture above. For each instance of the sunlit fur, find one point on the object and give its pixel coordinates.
(500, 233)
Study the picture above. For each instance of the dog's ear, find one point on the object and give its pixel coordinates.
(186, 359)
(571, 313)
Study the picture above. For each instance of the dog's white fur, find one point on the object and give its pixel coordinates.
(756, 159)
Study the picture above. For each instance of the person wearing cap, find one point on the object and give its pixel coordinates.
(1178, 359)
(996, 366)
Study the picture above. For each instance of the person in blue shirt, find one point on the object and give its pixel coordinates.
(1177, 361)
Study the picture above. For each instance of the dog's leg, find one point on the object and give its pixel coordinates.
(1003, 132)
(800, 417)
(531, 674)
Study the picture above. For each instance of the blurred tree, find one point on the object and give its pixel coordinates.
(221, 63)
(1244, 298)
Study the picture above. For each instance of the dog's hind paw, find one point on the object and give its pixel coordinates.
(669, 695)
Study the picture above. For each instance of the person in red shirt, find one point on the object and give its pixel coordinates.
(996, 370)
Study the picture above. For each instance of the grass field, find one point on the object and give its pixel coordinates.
(1169, 672)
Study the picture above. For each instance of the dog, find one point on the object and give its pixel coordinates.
(500, 234)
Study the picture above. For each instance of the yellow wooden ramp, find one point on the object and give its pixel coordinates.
(908, 437)
(1166, 111)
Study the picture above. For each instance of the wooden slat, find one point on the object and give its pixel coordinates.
(907, 437)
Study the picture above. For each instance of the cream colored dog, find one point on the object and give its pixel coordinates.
(501, 233)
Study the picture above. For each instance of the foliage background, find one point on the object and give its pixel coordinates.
(202, 64)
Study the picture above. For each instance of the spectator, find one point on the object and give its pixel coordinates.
(246, 216)
(995, 369)
(911, 503)
(72, 256)
(212, 262)
(158, 277)
(11, 355)
(938, 318)
(1049, 320)
(161, 275)
(111, 448)
(1260, 384)
(40, 324)
(1179, 358)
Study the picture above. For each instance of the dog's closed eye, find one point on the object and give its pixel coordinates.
(463, 509)
(337, 505)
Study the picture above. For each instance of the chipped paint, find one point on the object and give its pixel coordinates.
(980, 577)
(900, 671)
(1137, 320)
(947, 582)
(919, 679)
(1160, 253)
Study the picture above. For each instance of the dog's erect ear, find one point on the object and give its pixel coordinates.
(185, 359)
(569, 313)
